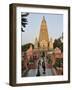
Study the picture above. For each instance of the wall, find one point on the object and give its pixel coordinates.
(4, 45)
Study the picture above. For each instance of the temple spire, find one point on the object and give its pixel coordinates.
(43, 18)
(43, 36)
(36, 43)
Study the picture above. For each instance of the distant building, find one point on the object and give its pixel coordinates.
(50, 44)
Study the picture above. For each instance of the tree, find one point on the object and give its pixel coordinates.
(27, 46)
(24, 21)
(58, 43)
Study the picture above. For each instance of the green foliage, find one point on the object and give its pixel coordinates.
(49, 61)
(58, 43)
(26, 46)
(59, 63)
(24, 21)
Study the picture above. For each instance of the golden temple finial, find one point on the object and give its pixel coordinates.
(43, 19)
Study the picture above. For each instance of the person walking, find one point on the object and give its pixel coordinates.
(43, 66)
(38, 70)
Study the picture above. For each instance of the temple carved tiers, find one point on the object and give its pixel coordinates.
(43, 40)
(43, 36)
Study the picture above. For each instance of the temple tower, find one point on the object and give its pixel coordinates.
(43, 36)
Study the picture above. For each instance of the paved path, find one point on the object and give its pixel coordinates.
(33, 72)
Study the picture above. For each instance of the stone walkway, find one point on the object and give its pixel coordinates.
(33, 72)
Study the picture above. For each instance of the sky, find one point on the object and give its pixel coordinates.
(32, 30)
